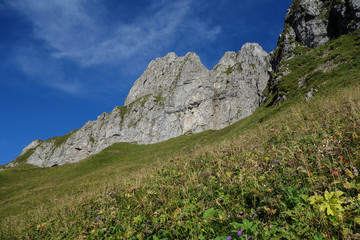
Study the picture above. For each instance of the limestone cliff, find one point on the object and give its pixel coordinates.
(309, 24)
(178, 95)
(314, 22)
(174, 96)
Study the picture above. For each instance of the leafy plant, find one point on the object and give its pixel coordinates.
(331, 203)
(209, 213)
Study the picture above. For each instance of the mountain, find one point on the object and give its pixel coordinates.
(290, 170)
(174, 96)
(312, 23)
(309, 24)
(178, 95)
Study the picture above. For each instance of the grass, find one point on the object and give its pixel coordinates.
(61, 139)
(342, 52)
(230, 69)
(30, 186)
(289, 171)
(140, 101)
(123, 111)
(160, 99)
(23, 158)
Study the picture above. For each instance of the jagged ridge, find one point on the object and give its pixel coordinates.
(174, 96)
(178, 95)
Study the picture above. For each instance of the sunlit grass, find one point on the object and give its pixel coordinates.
(255, 176)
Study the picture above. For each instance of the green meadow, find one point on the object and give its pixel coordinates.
(289, 171)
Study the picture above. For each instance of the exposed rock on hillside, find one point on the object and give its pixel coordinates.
(314, 22)
(178, 95)
(309, 24)
(174, 96)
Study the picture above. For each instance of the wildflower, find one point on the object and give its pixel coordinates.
(229, 238)
(250, 237)
(259, 164)
(275, 161)
(99, 216)
(240, 233)
(336, 172)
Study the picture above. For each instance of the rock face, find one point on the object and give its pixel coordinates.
(178, 95)
(314, 22)
(174, 96)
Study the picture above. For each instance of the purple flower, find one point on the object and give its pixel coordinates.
(251, 237)
(259, 165)
(228, 238)
(98, 216)
(240, 233)
(276, 161)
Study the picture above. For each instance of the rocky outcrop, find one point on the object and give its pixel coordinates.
(32, 145)
(178, 95)
(314, 22)
(174, 96)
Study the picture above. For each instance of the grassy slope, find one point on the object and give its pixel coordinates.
(256, 175)
(29, 186)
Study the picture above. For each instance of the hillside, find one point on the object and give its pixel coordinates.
(174, 96)
(289, 171)
(179, 95)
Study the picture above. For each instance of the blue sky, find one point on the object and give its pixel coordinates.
(64, 62)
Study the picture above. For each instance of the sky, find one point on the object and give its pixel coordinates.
(64, 62)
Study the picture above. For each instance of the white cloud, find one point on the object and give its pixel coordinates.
(79, 33)
(77, 30)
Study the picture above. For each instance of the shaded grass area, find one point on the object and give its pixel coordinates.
(286, 172)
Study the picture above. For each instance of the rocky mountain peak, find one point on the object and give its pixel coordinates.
(179, 95)
(314, 22)
(250, 53)
(163, 74)
(170, 56)
(174, 96)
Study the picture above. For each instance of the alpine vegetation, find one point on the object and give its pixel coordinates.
(263, 146)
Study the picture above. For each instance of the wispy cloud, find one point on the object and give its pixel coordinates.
(79, 33)
(76, 29)
(44, 70)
